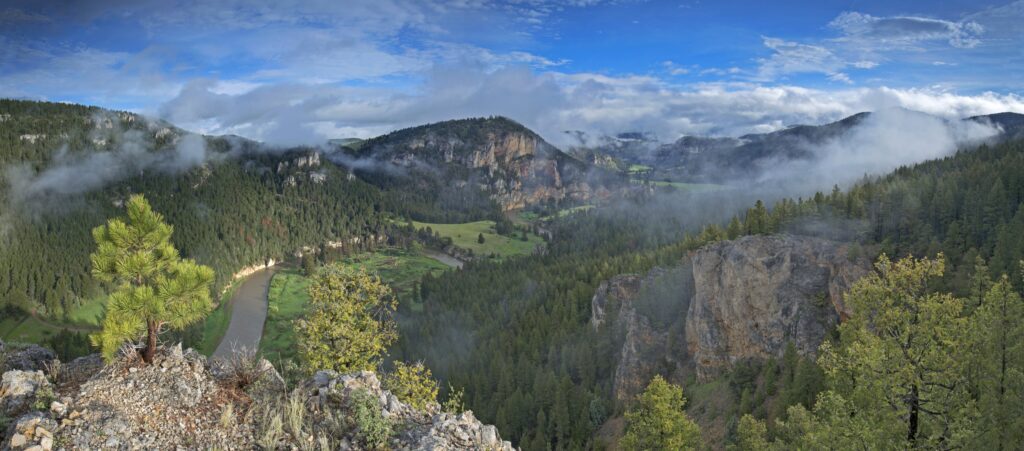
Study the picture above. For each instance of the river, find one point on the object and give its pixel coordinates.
(248, 313)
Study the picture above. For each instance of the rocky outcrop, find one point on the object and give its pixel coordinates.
(19, 390)
(644, 314)
(729, 301)
(419, 430)
(755, 294)
(174, 401)
(31, 432)
(27, 358)
(181, 401)
(505, 160)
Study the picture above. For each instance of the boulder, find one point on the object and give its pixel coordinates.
(29, 358)
(19, 389)
(31, 432)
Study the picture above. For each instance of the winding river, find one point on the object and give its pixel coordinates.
(249, 309)
(248, 313)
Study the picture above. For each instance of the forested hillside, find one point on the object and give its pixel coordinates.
(239, 207)
(512, 333)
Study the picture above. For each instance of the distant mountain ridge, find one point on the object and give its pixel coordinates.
(717, 159)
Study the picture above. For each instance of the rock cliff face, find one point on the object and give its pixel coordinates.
(726, 302)
(183, 401)
(507, 161)
(756, 293)
(646, 323)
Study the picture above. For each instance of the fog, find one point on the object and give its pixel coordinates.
(70, 173)
(882, 142)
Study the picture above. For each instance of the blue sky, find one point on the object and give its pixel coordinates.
(303, 71)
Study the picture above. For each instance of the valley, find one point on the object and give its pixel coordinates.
(511, 225)
(511, 280)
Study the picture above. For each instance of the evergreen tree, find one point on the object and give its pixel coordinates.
(897, 358)
(480, 238)
(308, 264)
(659, 421)
(154, 287)
(735, 229)
(997, 355)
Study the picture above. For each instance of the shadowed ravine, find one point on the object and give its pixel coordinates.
(248, 313)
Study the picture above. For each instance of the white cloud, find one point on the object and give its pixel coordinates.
(550, 103)
(64, 72)
(793, 58)
(907, 30)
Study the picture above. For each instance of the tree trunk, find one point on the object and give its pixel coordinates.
(150, 350)
(914, 412)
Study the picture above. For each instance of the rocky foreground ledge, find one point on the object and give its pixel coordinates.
(181, 401)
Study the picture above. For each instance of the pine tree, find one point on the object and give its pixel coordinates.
(897, 360)
(735, 228)
(998, 359)
(154, 287)
(659, 421)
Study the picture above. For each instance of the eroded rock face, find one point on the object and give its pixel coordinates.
(505, 160)
(755, 294)
(726, 302)
(645, 313)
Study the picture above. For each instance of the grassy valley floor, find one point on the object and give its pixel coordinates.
(467, 236)
(399, 268)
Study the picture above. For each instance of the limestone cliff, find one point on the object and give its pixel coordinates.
(512, 165)
(726, 302)
(756, 293)
(645, 314)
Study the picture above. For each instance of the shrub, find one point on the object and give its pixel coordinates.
(242, 369)
(454, 403)
(367, 421)
(349, 322)
(44, 396)
(412, 384)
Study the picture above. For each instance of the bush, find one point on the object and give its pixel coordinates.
(367, 420)
(242, 369)
(454, 403)
(44, 396)
(412, 384)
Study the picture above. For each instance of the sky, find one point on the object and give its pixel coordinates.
(301, 72)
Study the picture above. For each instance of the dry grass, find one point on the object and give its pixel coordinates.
(242, 370)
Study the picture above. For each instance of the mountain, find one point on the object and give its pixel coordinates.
(235, 202)
(723, 159)
(469, 162)
(1012, 124)
(611, 152)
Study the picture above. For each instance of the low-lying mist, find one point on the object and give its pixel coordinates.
(880, 143)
